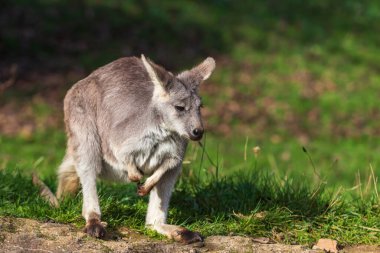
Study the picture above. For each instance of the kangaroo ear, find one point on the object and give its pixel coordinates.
(198, 74)
(158, 75)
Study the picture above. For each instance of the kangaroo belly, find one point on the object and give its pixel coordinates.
(113, 173)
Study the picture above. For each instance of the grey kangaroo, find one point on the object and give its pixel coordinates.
(129, 119)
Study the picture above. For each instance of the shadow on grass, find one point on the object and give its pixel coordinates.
(249, 193)
(175, 33)
(58, 33)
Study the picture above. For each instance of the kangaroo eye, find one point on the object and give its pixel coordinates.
(179, 108)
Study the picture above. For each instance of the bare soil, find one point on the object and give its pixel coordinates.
(25, 235)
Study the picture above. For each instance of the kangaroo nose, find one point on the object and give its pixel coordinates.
(197, 133)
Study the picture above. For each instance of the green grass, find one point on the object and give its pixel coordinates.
(254, 199)
(255, 203)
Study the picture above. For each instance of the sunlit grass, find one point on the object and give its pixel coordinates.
(254, 202)
(255, 199)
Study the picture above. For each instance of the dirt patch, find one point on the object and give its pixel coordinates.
(25, 235)
(362, 249)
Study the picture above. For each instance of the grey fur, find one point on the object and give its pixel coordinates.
(125, 120)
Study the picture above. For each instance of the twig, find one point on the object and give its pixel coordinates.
(370, 229)
(31, 249)
(374, 178)
(245, 149)
(207, 155)
(312, 163)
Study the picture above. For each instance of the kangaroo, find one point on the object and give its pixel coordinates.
(128, 119)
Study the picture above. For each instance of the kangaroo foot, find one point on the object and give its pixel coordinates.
(95, 228)
(186, 236)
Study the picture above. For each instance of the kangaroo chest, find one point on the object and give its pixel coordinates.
(153, 149)
(147, 153)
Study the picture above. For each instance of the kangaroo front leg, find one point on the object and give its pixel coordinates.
(150, 182)
(144, 189)
(158, 209)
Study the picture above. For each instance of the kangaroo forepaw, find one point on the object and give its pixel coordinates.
(143, 190)
(186, 236)
(95, 228)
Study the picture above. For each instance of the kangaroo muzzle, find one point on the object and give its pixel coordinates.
(196, 134)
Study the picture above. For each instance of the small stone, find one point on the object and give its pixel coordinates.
(327, 245)
(262, 240)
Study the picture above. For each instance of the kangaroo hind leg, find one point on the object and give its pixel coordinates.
(68, 180)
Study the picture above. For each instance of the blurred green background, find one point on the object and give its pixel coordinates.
(290, 74)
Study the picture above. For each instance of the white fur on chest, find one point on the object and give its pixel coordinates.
(154, 149)
(151, 150)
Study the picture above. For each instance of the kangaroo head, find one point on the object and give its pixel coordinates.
(175, 97)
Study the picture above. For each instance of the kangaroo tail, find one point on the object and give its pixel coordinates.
(45, 192)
